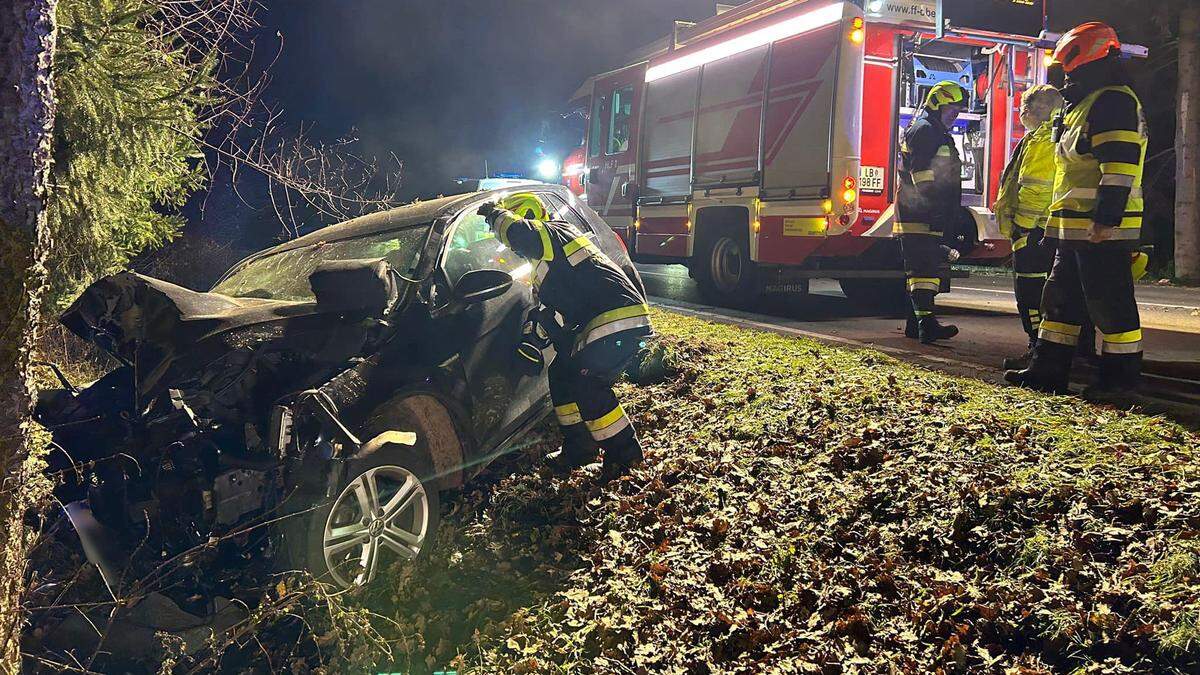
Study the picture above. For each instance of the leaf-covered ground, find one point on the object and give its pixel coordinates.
(805, 508)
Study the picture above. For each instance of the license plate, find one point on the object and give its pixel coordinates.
(870, 179)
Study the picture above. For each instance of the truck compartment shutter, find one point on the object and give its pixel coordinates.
(727, 134)
(667, 139)
(803, 83)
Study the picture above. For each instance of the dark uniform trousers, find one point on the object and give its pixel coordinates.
(1031, 267)
(924, 265)
(581, 389)
(1092, 280)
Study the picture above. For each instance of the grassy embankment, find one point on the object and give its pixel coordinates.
(805, 506)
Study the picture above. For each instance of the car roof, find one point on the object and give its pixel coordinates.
(409, 215)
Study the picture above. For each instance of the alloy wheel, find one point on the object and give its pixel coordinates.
(383, 510)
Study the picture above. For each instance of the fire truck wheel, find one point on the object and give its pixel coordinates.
(723, 269)
(882, 293)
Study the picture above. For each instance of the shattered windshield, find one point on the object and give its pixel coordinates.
(284, 275)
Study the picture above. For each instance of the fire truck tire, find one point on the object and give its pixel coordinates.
(882, 293)
(723, 269)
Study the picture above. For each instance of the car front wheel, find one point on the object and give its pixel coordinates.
(384, 511)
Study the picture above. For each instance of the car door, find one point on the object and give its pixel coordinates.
(487, 334)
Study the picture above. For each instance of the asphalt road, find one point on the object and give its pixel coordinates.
(985, 312)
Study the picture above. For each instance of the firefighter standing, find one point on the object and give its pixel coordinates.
(604, 323)
(1095, 218)
(1023, 206)
(929, 201)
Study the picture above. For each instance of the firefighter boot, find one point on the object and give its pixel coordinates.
(930, 330)
(578, 449)
(1049, 370)
(1021, 362)
(1117, 380)
(912, 327)
(620, 457)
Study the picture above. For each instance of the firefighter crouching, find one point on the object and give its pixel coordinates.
(929, 201)
(1095, 220)
(1023, 205)
(604, 323)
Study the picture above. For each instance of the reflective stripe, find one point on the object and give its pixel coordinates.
(611, 329)
(1120, 167)
(1121, 347)
(914, 228)
(919, 313)
(1024, 181)
(568, 414)
(1059, 333)
(610, 425)
(1060, 327)
(1120, 180)
(1055, 337)
(1092, 193)
(945, 151)
(1032, 275)
(539, 273)
(1119, 135)
(1020, 243)
(503, 221)
(923, 176)
(544, 234)
(578, 250)
(924, 284)
(1128, 336)
(613, 321)
(1057, 229)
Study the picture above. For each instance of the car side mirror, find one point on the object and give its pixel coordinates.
(479, 285)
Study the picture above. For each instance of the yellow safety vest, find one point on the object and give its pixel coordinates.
(1079, 175)
(1028, 188)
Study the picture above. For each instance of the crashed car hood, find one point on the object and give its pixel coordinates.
(143, 320)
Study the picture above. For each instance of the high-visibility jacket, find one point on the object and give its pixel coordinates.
(574, 278)
(930, 194)
(1099, 155)
(1027, 185)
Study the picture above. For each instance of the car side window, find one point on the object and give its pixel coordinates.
(563, 211)
(473, 246)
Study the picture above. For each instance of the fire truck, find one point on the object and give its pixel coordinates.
(759, 147)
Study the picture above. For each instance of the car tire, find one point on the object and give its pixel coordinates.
(397, 482)
(876, 293)
(723, 269)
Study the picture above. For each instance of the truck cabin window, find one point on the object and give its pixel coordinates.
(618, 128)
(597, 127)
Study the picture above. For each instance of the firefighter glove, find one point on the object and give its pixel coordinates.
(487, 209)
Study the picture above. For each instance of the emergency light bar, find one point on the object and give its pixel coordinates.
(784, 29)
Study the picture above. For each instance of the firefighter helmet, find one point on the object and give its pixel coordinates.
(946, 93)
(525, 205)
(1085, 43)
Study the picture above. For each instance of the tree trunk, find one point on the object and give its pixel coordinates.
(1187, 147)
(27, 34)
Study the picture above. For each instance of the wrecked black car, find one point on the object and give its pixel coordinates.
(310, 407)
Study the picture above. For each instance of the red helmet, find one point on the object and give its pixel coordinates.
(1085, 43)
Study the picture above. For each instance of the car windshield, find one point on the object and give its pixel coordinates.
(284, 275)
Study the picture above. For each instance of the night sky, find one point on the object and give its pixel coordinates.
(445, 84)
